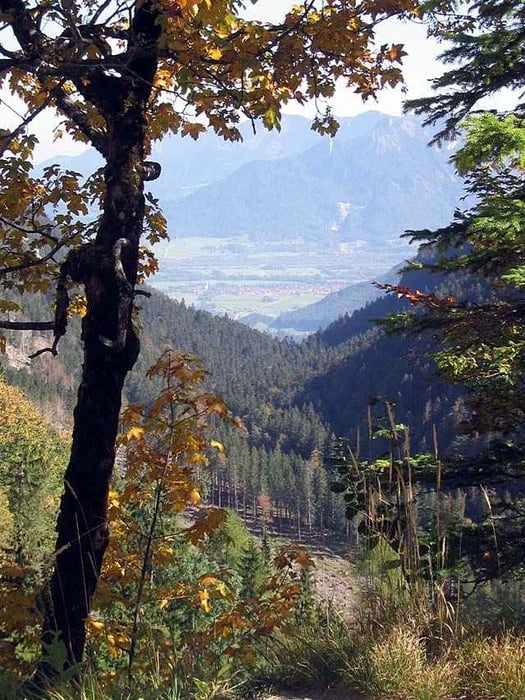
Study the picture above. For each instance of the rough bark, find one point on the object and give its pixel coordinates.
(107, 268)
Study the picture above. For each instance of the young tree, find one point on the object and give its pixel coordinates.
(484, 343)
(122, 75)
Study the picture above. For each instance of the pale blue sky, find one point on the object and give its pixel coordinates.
(418, 67)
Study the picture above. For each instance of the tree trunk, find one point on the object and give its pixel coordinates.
(108, 270)
(82, 524)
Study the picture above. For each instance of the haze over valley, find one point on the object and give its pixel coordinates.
(302, 217)
(276, 223)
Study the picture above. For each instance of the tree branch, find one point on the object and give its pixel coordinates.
(78, 117)
(34, 262)
(27, 325)
(23, 26)
(5, 141)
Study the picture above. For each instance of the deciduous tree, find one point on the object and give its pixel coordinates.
(121, 75)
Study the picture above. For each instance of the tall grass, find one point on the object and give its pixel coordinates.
(408, 638)
(402, 660)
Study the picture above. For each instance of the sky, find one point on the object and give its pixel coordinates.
(419, 66)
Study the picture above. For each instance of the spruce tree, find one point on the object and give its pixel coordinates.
(483, 341)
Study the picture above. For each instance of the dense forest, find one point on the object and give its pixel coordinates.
(163, 468)
(293, 398)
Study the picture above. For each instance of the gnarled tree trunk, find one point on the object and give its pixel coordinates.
(107, 268)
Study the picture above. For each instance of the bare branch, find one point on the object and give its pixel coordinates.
(53, 350)
(35, 229)
(31, 40)
(100, 11)
(6, 140)
(34, 262)
(27, 325)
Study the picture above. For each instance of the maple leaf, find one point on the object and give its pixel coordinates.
(136, 432)
(193, 129)
(395, 53)
(202, 529)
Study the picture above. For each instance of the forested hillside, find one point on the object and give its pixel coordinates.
(186, 459)
(292, 397)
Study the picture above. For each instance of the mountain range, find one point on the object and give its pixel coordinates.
(377, 178)
(289, 214)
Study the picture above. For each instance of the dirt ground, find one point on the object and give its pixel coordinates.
(335, 581)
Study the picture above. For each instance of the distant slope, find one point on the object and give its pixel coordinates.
(188, 164)
(319, 315)
(398, 369)
(363, 188)
(249, 368)
(290, 395)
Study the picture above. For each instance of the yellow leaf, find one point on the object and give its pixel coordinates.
(164, 554)
(194, 497)
(272, 119)
(94, 626)
(396, 53)
(303, 559)
(198, 459)
(113, 498)
(6, 305)
(217, 406)
(218, 445)
(204, 601)
(215, 53)
(78, 305)
(135, 433)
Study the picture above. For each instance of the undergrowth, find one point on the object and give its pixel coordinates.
(405, 642)
(404, 659)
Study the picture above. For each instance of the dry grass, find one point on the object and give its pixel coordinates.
(406, 660)
(493, 667)
(398, 666)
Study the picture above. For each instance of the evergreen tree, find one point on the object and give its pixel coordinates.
(307, 612)
(32, 458)
(251, 569)
(484, 341)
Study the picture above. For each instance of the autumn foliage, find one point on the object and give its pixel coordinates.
(121, 78)
(158, 520)
(163, 604)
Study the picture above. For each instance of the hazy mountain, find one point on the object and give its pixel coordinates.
(188, 164)
(374, 180)
(297, 209)
(377, 178)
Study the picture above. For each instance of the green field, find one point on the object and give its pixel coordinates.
(238, 276)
